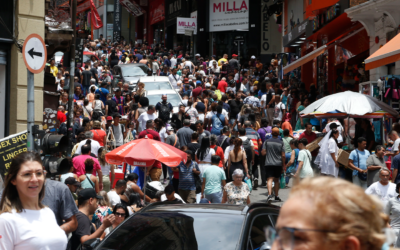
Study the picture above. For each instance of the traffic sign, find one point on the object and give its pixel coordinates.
(34, 53)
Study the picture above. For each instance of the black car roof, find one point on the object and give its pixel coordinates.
(204, 208)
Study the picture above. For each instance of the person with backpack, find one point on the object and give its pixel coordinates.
(164, 109)
(218, 121)
(293, 163)
(223, 139)
(88, 180)
(248, 147)
(304, 170)
(256, 139)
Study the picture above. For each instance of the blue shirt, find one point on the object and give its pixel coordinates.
(167, 62)
(363, 159)
(186, 179)
(103, 94)
(396, 165)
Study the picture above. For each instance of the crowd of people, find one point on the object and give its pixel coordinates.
(236, 124)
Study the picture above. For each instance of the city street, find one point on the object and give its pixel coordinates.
(260, 195)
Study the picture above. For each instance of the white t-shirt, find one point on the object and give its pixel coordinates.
(395, 146)
(114, 198)
(164, 197)
(339, 128)
(263, 101)
(212, 113)
(143, 118)
(106, 169)
(384, 193)
(31, 230)
(95, 146)
(208, 157)
(163, 134)
(330, 168)
(278, 111)
(174, 80)
(306, 169)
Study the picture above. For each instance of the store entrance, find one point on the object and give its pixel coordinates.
(223, 43)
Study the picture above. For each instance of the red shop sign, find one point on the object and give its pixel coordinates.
(156, 11)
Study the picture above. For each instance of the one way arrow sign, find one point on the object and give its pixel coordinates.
(34, 53)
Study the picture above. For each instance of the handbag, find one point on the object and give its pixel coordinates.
(361, 176)
(248, 182)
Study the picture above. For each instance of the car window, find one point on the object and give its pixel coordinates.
(86, 58)
(174, 99)
(257, 231)
(157, 85)
(171, 231)
(134, 71)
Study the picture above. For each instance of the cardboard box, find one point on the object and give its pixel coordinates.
(314, 144)
(343, 157)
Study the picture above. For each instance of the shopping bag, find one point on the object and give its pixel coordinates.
(282, 183)
(248, 182)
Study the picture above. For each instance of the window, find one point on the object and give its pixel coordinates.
(157, 85)
(257, 230)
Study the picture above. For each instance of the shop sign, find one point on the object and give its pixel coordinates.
(270, 37)
(183, 24)
(131, 7)
(9, 148)
(295, 33)
(193, 14)
(229, 15)
(321, 20)
(174, 9)
(117, 21)
(156, 11)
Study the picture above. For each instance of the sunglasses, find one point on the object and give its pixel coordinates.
(120, 214)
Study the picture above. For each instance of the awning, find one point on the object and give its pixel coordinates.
(389, 53)
(304, 59)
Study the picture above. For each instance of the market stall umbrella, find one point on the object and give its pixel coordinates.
(144, 153)
(350, 103)
(339, 115)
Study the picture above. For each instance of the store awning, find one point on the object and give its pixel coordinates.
(305, 59)
(389, 53)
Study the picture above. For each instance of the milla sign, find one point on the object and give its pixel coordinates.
(183, 24)
(229, 15)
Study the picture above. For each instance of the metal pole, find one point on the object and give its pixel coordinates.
(71, 81)
(31, 109)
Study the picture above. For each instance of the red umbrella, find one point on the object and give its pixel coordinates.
(144, 152)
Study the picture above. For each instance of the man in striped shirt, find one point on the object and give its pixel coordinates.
(187, 184)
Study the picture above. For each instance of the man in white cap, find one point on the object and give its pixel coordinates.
(252, 62)
(196, 59)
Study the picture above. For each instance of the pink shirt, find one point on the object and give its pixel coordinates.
(79, 164)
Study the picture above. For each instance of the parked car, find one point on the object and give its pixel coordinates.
(166, 225)
(129, 73)
(173, 97)
(156, 82)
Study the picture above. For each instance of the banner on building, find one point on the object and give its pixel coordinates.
(157, 12)
(271, 37)
(9, 148)
(117, 21)
(97, 23)
(183, 24)
(229, 15)
(131, 7)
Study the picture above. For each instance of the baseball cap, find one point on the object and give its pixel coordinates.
(72, 181)
(253, 57)
(87, 193)
(109, 118)
(208, 85)
(275, 131)
(197, 55)
(198, 82)
(233, 55)
(170, 128)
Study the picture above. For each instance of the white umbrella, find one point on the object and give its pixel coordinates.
(349, 102)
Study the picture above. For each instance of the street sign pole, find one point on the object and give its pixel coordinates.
(31, 110)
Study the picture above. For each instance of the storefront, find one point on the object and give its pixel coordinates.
(156, 21)
(175, 9)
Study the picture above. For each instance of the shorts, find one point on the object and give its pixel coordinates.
(273, 171)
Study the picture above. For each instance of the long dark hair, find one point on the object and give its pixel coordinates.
(334, 132)
(236, 149)
(10, 199)
(118, 206)
(134, 199)
(204, 149)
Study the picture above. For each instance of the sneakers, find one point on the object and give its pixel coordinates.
(277, 199)
(269, 198)
(164, 182)
(255, 184)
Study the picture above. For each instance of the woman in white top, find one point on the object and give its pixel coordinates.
(160, 128)
(106, 169)
(203, 155)
(25, 223)
(304, 170)
(328, 154)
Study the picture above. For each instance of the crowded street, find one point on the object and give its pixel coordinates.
(198, 125)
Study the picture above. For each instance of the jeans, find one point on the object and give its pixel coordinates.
(254, 168)
(231, 122)
(358, 182)
(214, 197)
(85, 89)
(170, 173)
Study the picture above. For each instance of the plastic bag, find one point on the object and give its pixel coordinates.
(248, 182)
(282, 183)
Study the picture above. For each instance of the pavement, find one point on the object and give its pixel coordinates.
(260, 195)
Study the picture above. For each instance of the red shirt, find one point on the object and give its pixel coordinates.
(310, 138)
(155, 134)
(61, 116)
(196, 92)
(98, 135)
(220, 153)
(222, 85)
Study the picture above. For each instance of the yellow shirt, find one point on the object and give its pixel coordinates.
(54, 70)
(221, 60)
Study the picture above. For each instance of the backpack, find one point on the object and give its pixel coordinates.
(247, 147)
(217, 123)
(164, 111)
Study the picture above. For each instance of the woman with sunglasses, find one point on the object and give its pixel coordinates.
(327, 213)
(25, 223)
(121, 213)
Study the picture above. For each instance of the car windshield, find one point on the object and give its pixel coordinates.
(170, 231)
(86, 58)
(157, 85)
(134, 71)
(171, 98)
